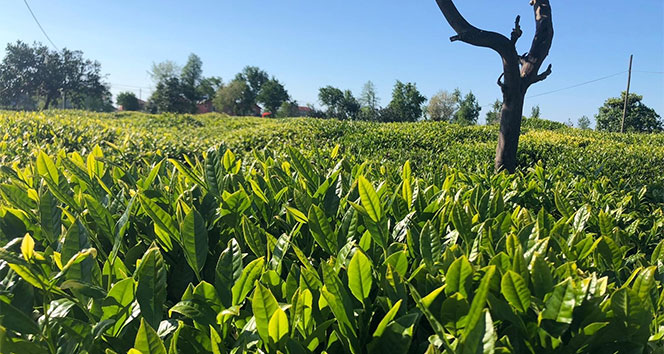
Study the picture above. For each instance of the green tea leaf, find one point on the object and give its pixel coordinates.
(162, 220)
(321, 230)
(16, 320)
(561, 302)
(359, 276)
(458, 277)
(278, 326)
(477, 305)
(147, 341)
(194, 240)
(263, 305)
(118, 304)
(151, 289)
(245, 283)
(515, 291)
(370, 200)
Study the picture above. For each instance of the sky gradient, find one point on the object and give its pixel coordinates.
(308, 44)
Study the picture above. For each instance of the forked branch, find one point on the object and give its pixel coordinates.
(472, 35)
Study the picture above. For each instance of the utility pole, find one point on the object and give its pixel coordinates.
(140, 93)
(629, 81)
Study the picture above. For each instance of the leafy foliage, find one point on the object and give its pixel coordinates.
(442, 106)
(32, 73)
(128, 101)
(271, 95)
(469, 109)
(406, 104)
(640, 118)
(341, 104)
(310, 250)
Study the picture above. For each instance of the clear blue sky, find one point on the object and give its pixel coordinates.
(308, 44)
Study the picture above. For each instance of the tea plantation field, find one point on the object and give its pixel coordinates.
(134, 233)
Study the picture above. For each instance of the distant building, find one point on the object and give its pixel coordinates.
(303, 111)
(204, 106)
(257, 110)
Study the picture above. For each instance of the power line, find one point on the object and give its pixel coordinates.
(40, 26)
(577, 85)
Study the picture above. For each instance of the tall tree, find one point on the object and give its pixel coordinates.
(368, 97)
(442, 106)
(369, 102)
(160, 72)
(272, 95)
(231, 99)
(191, 76)
(208, 87)
(640, 118)
(340, 104)
(406, 104)
(468, 112)
(29, 71)
(192, 72)
(350, 107)
(583, 123)
(493, 116)
(331, 98)
(535, 112)
(169, 97)
(255, 79)
(519, 71)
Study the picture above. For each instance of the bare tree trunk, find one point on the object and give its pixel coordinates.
(519, 72)
(49, 98)
(510, 130)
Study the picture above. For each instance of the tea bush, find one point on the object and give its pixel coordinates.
(126, 234)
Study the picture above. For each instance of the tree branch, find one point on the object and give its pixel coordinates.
(500, 78)
(472, 35)
(542, 76)
(516, 32)
(541, 44)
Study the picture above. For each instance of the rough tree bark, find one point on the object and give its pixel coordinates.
(519, 71)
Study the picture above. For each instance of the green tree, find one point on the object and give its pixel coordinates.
(208, 87)
(535, 112)
(128, 101)
(192, 72)
(29, 72)
(340, 104)
(584, 123)
(493, 116)
(640, 118)
(368, 97)
(288, 109)
(469, 110)
(442, 106)
(331, 98)
(231, 99)
(169, 97)
(350, 107)
(191, 76)
(272, 95)
(160, 72)
(255, 79)
(406, 104)
(97, 103)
